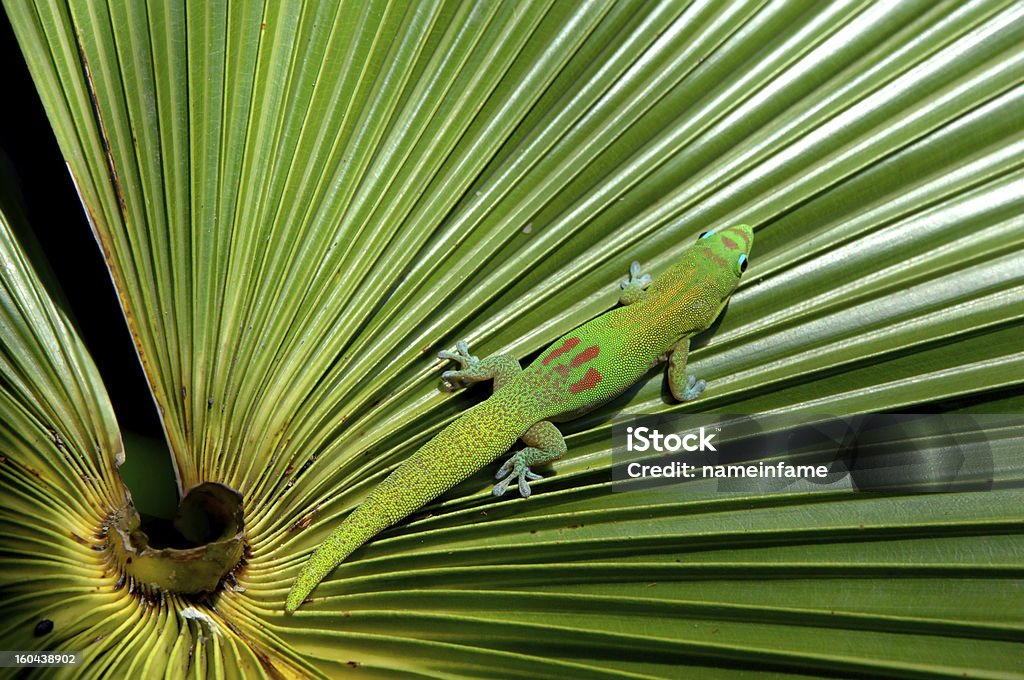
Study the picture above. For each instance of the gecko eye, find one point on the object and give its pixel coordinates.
(705, 234)
(743, 263)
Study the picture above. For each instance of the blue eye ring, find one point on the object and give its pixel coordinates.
(743, 263)
(705, 234)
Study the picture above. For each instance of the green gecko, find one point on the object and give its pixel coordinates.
(579, 371)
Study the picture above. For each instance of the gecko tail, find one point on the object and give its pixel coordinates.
(459, 450)
(358, 528)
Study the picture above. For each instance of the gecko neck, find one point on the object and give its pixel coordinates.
(680, 303)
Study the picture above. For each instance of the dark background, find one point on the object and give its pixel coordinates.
(39, 198)
(41, 181)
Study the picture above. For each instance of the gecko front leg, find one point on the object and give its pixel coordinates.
(684, 387)
(634, 285)
(500, 368)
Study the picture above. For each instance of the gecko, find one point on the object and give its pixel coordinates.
(578, 372)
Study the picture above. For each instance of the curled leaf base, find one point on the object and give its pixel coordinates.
(191, 554)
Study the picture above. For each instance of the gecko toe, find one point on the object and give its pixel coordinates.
(524, 487)
(501, 487)
(635, 279)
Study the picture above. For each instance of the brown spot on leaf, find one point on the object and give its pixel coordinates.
(58, 441)
(305, 521)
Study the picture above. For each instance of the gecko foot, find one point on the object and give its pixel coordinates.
(635, 278)
(694, 388)
(515, 468)
(453, 379)
(633, 286)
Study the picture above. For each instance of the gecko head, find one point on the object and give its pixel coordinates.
(726, 252)
(722, 255)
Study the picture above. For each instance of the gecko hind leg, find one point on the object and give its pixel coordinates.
(544, 443)
(499, 367)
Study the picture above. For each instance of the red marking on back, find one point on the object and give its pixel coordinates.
(563, 370)
(585, 356)
(729, 243)
(587, 382)
(566, 346)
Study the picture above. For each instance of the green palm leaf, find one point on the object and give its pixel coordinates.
(300, 203)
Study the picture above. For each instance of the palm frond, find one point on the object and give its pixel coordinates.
(300, 203)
